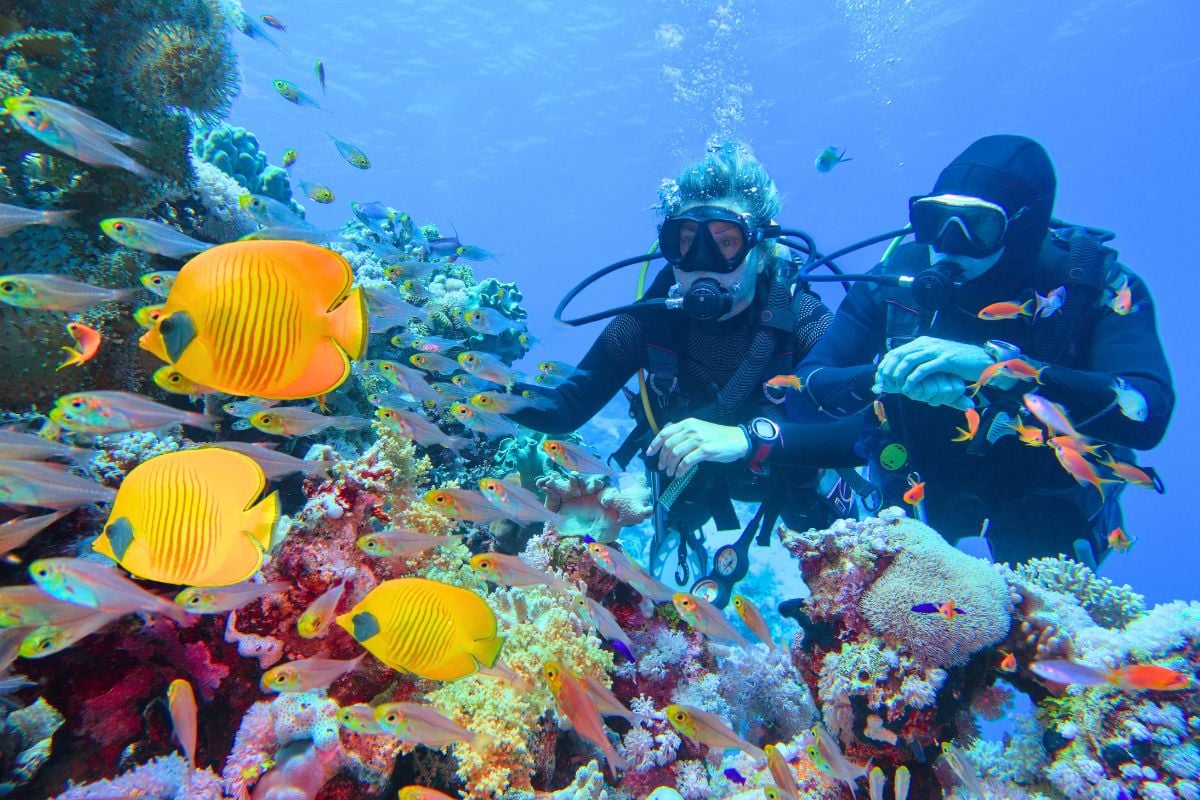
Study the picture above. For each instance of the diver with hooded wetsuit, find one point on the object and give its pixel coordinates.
(998, 280)
(714, 432)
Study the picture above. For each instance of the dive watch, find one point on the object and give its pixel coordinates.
(1001, 351)
(763, 435)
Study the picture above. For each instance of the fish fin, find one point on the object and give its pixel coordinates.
(74, 358)
(119, 534)
(963, 436)
(328, 359)
(178, 331)
(349, 323)
(266, 513)
(486, 651)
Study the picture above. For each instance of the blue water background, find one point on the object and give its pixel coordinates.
(541, 130)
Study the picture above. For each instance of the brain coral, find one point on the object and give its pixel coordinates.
(929, 570)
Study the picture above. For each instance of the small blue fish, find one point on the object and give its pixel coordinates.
(354, 156)
(623, 649)
(255, 31)
(830, 158)
(319, 68)
(317, 191)
(470, 253)
(373, 215)
(735, 776)
(293, 93)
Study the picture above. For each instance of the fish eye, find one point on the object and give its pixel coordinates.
(167, 325)
(266, 419)
(390, 718)
(76, 404)
(8, 286)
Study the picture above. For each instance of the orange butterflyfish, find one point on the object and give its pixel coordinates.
(431, 629)
(967, 434)
(786, 382)
(273, 319)
(1008, 663)
(915, 493)
(1006, 310)
(191, 517)
(88, 340)
(1119, 541)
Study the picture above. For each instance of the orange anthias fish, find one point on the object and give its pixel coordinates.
(915, 493)
(1122, 302)
(1028, 434)
(1132, 678)
(967, 434)
(1006, 310)
(571, 695)
(1008, 663)
(182, 702)
(1129, 473)
(88, 340)
(1015, 368)
(948, 610)
(1079, 468)
(273, 319)
(786, 382)
(1119, 541)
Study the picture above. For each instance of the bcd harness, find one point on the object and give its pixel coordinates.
(1072, 256)
(772, 353)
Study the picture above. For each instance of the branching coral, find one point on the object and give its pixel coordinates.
(1111, 606)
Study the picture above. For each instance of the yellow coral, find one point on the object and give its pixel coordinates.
(540, 626)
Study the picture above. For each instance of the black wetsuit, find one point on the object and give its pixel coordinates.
(709, 353)
(1034, 507)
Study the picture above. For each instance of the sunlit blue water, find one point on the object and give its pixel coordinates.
(540, 130)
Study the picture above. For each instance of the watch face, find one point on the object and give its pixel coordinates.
(763, 428)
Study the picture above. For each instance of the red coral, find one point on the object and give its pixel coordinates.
(115, 716)
(206, 676)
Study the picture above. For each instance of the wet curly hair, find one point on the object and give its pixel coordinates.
(730, 173)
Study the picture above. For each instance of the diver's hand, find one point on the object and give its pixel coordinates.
(907, 366)
(686, 443)
(939, 389)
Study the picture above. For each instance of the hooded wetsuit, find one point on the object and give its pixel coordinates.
(1034, 507)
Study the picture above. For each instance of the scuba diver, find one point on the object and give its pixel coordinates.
(716, 325)
(996, 281)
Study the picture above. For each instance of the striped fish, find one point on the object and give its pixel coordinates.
(431, 629)
(190, 517)
(272, 319)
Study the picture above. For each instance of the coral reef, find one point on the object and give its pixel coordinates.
(235, 152)
(25, 743)
(592, 508)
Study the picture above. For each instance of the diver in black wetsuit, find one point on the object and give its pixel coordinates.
(985, 236)
(705, 365)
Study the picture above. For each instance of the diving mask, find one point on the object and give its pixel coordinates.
(709, 239)
(960, 225)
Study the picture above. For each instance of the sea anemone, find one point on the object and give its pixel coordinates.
(185, 69)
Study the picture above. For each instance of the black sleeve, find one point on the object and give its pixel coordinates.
(815, 443)
(839, 371)
(1122, 346)
(611, 361)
